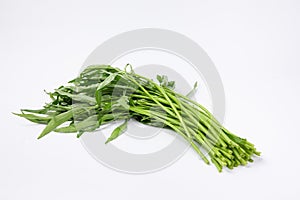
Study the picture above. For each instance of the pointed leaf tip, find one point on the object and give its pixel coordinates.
(117, 132)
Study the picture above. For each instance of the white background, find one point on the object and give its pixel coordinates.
(255, 46)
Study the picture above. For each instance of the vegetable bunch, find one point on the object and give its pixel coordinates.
(102, 94)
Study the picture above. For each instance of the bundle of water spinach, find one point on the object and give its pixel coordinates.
(102, 94)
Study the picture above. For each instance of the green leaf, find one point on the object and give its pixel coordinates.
(159, 78)
(35, 118)
(123, 102)
(38, 111)
(171, 84)
(98, 96)
(106, 117)
(89, 123)
(107, 81)
(80, 134)
(117, 132)
(67, 129)
(165, 79)
(78, 97)
(91, 87)
(56, 121)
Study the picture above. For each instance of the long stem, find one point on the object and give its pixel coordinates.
(177, 129)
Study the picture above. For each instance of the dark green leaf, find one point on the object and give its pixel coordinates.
(98, 96)
(159, 78)
(80, 134)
